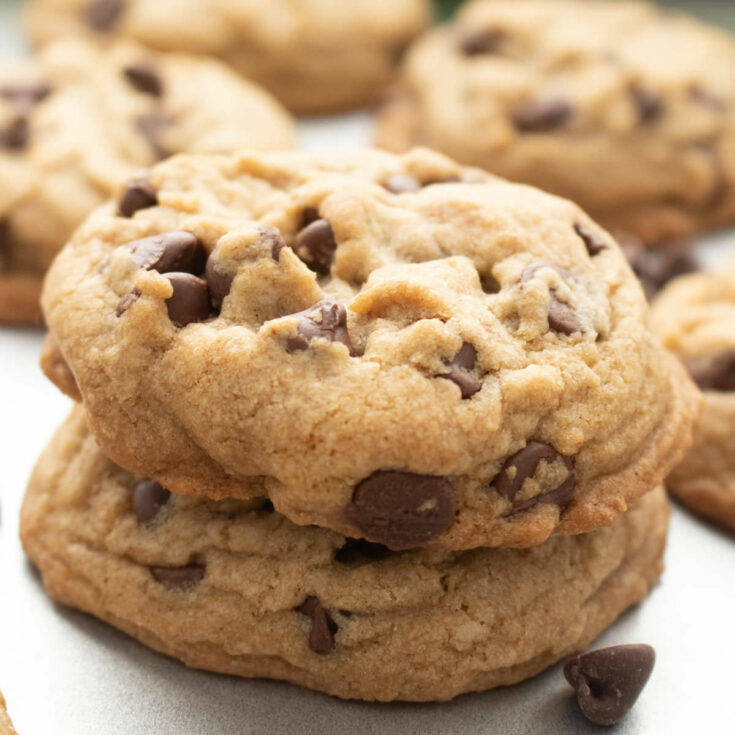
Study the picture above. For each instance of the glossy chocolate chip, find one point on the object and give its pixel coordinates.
(608, 681)
(481, 42)
(139, 194)
(460, 371)
(713, 373)
(542, 116)
(102, 15)
(218, 281)
(169, 252)
(127, 301)
(356, 551)
(592, 241)
(562, 317)
(323, 627)
(650, 105)
(179, 577)
(316, 245)
(24, 96)
(148, 498)
(402, 510)
(189, 301)
(523, 465)
(17, 134)
(151, 126)
(402, 184)
(325, 320)
(144, 78)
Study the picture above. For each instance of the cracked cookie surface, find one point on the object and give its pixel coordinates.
(466, 364)
(625, 108)
(76, 121)
(232, 586)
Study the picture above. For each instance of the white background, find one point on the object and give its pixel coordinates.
(64, 673)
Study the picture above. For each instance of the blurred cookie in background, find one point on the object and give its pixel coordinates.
(317, 56)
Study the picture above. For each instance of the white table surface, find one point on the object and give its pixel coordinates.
(65, 673)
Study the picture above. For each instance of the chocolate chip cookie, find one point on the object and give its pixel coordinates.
(315, 55)
(623, 107)
(76, 121)
(6, 726)
(695, 318)
(232, 586)
(396, 348)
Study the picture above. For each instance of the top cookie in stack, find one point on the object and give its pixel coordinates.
(396, 348)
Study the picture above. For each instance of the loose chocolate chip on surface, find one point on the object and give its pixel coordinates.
(168, 252)
(592, 241)
(714, 373)
(218, 281)
(102, 15)
(325, 320)
(460, 371)
(148, 498)
(189, 301)
(608, 681)
(17, 134)
(402, 184)
(179, 577)
(359, 551)
(139, 194)
(486, 41)
(316, 245)
(649, 105)
(323, 627)
(402, 510)
(152, 125)
(127, 301)
(24, 96)
(541, 116)
(144, 78)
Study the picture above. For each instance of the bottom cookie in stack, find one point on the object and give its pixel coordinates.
(234, 587)
(6, 726)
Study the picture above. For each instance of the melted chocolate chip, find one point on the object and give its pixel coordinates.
(323, 627)
(17, 134)
(24, 96)
(542, 116)
(561, 316)
(650, 105)
(402, 510)
(608, 681)
(714, 373)
(315, 245)
(168, 252)
(102, 15)
(460, 371)
(189, 301)
(148, 498)
(359, 551)
(144, 78)
(218, 281)
(179, 577)
(592, 241)
(325, 320)
(481, 42)
(126, 302)
(522, 466)
(139, 194)
(402, 184)
(152, 125)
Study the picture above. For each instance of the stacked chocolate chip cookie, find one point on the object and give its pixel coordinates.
(382, 426)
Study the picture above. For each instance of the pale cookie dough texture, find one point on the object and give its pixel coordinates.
(623, 107)
(395, 348)
(695, 318)
(315, 55)
(76, 121)
(232, 586)
(6, 726)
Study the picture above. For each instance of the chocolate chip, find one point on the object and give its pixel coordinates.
(608, 681)
(479, 42)
(541, 116)
(179, 577)
(359, 551)
(309, 215)
(218, 281)
(402, 510)
(402, 184)
(460, 371)
(152, 125)
(649, 105)
(148, 498)
(24, 96)
(139, 194)
(705, 98)
(561, 316)
(168, 252)
(102, 15)
(315, 245)
(189, 301)
(127, 301)
(144, 78)
(592, 241)
(713, 373)
(323, 627)
(277, 242)
(325, 320)
(17, 133)
(522, 466)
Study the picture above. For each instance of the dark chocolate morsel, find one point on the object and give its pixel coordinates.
(359, 551)
(127, 301)
(17, 133)
(179, 577)
(325, 320)
(323, 627)
(561, 316)
(402, 184)
(649, 105)
(189, 301)
(169, 252)
(144, 78)
(139, 194)
(541, 115)
(608, 681)
(148, 498)
(592, 241)
(316, 245)
(480, 42)
(102, 15)
(151, 126)
(713, 373)
(24, 96)
(218, 281)
(460, 371)
(275, 238)
(402, 510)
